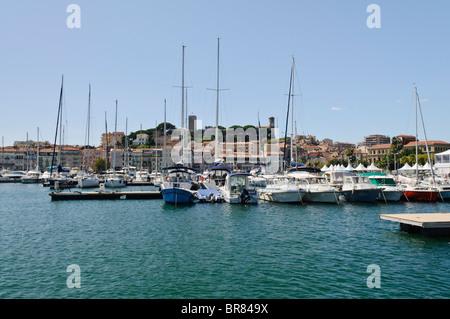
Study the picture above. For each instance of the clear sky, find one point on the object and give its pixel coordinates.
(354, 81)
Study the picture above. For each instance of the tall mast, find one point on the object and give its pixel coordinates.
(216, 139)
(57, 123)
(126, 143)
(37, 155)
(28, 157)
(60, 130)
(164, 149)
(142, 155)
(426, 141)
(156, 144)
(107, 144)
(182, 89)
(292, 112)
(417, 152)
(285, 160)
(3, 149)
(115, 141)
(88, 128)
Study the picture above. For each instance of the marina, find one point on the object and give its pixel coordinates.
(225, 151)
(152, 249)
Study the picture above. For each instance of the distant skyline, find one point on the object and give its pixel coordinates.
(352, 81)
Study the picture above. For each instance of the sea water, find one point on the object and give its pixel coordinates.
(136, 249)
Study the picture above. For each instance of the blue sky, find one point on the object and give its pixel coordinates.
(354, 81)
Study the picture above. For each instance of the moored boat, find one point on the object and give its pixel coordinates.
(281, 189)
(317, 188)
(236, 189)
(359, 189)
(178, 185)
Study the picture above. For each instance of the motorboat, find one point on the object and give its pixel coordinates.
(359, 189)
(210, 183)
(15, 175)
(32, 177)
(281, 189)
(178, 185)
(115, 181)
(317, 188)
(88, 181)
(236, 189)
(389, 190)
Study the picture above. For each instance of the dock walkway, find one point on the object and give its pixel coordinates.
(99, 195)
(428, 224)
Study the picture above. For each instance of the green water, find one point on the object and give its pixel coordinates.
(149, 249)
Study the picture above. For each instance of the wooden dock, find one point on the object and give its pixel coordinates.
(102, 195)
(428, 224)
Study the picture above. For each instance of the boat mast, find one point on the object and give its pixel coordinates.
(60, 133)
(426, 141)
(3, 149)
(182, 89)
(164, 148)
(37, 155)
(115, 141)
(156, 144)
(88, 129)
(142, 155)
(216, 139)
(292, 112)
(57, 124)
(126, 143)
(28, 156)
(107, 144)
(285, 158)
(417, 149)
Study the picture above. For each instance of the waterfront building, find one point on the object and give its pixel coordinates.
(108, 139)
(376, 139)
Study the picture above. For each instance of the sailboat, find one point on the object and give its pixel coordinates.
(113, 180)
(178, 186)
(34, 176)
(417, 191)
(86, 179)
(213, 178)
(61, 178)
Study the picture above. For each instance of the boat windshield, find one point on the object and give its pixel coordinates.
(384, 181)
(357, 180)
(237, 183)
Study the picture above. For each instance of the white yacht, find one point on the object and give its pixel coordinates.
(282, 189)
(389, 190)
(32, 177)
(88, 181)
(317, 188)
(236, 189)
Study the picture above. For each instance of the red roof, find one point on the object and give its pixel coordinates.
(380, 146)
(412, 144)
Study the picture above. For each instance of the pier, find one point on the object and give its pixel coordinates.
(102, 195)
(428, 224)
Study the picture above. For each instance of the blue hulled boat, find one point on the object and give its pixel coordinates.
(178, 185)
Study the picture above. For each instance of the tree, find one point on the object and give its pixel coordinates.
(169, 127)
(100, 165)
